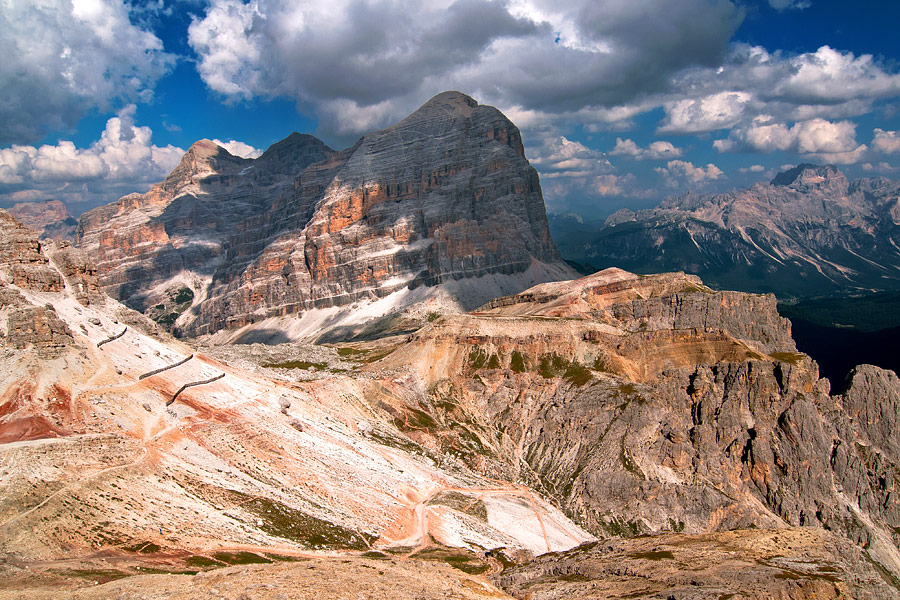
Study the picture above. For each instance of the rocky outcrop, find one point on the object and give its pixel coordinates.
(808, 232)
(40, 328)
(50, 218)
(446, 194)
(21, 260)
(705, 422)
(791, 564)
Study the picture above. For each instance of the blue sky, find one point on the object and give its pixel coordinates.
(620, 102)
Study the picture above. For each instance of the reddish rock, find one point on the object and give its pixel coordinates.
(445, 194)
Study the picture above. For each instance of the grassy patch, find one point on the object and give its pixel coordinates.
(432, 317)
(618, 527)
(477, 359)
(554, 365)
(465, 562)
(297, 364)
(284, 558)
(143, 548)
(351, 352)
(518, 362)
(653, 555)
(202, 562)
(578, 374)
(184, 295)
(241, 558)
(283, 521)
(464, 504)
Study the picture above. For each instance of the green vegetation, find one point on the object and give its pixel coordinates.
(653, 555)
(202, 562)
(351, 352)
(518, 362)
(432, 317)
(464, 504)
(184, 295)
(618, 527)
(240, 558)
(297, 364)
(283, 521)
(477, 359)
(493, 362)
(578, 374)
(167, 319)
(458, 559)
(143, 548)
(865, 313)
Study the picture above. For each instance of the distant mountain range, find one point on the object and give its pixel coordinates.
(808, 232)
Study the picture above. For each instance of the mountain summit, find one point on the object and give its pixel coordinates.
(438, 200)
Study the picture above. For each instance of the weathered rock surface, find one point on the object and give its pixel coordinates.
(444, 195)
(808, 232)
(790, 564)
(51, 218)
(686, 424)
(118, 443)
(609, 407)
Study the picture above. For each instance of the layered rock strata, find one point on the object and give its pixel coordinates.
(810, 231)
(652, 404)
(446, 194)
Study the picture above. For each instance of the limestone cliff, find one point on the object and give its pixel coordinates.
(444, 195)
(654, 404)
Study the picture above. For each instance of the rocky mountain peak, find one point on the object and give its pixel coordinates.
(294, 153)
(808, 175)
(451, 101)
(443, 196)
(202, 158)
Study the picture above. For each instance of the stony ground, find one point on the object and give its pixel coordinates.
(348, 578)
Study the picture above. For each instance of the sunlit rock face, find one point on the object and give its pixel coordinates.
(444, 195)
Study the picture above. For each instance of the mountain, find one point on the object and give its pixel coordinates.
(442, 203)
(50, 218)
(808, 232)
(535, 441)
(118, 441)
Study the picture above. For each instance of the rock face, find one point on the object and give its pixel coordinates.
(51, 218)
(653, 404)
(606, 407)
(808, 232)
(444, 195)
(790, 564)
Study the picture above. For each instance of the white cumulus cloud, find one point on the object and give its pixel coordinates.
(64, 57)
(678, 173)
(123, 160)
(887, 142)
(816, 138)
(361, 63)
(658, 150)
(241, 149)
(698, 115)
